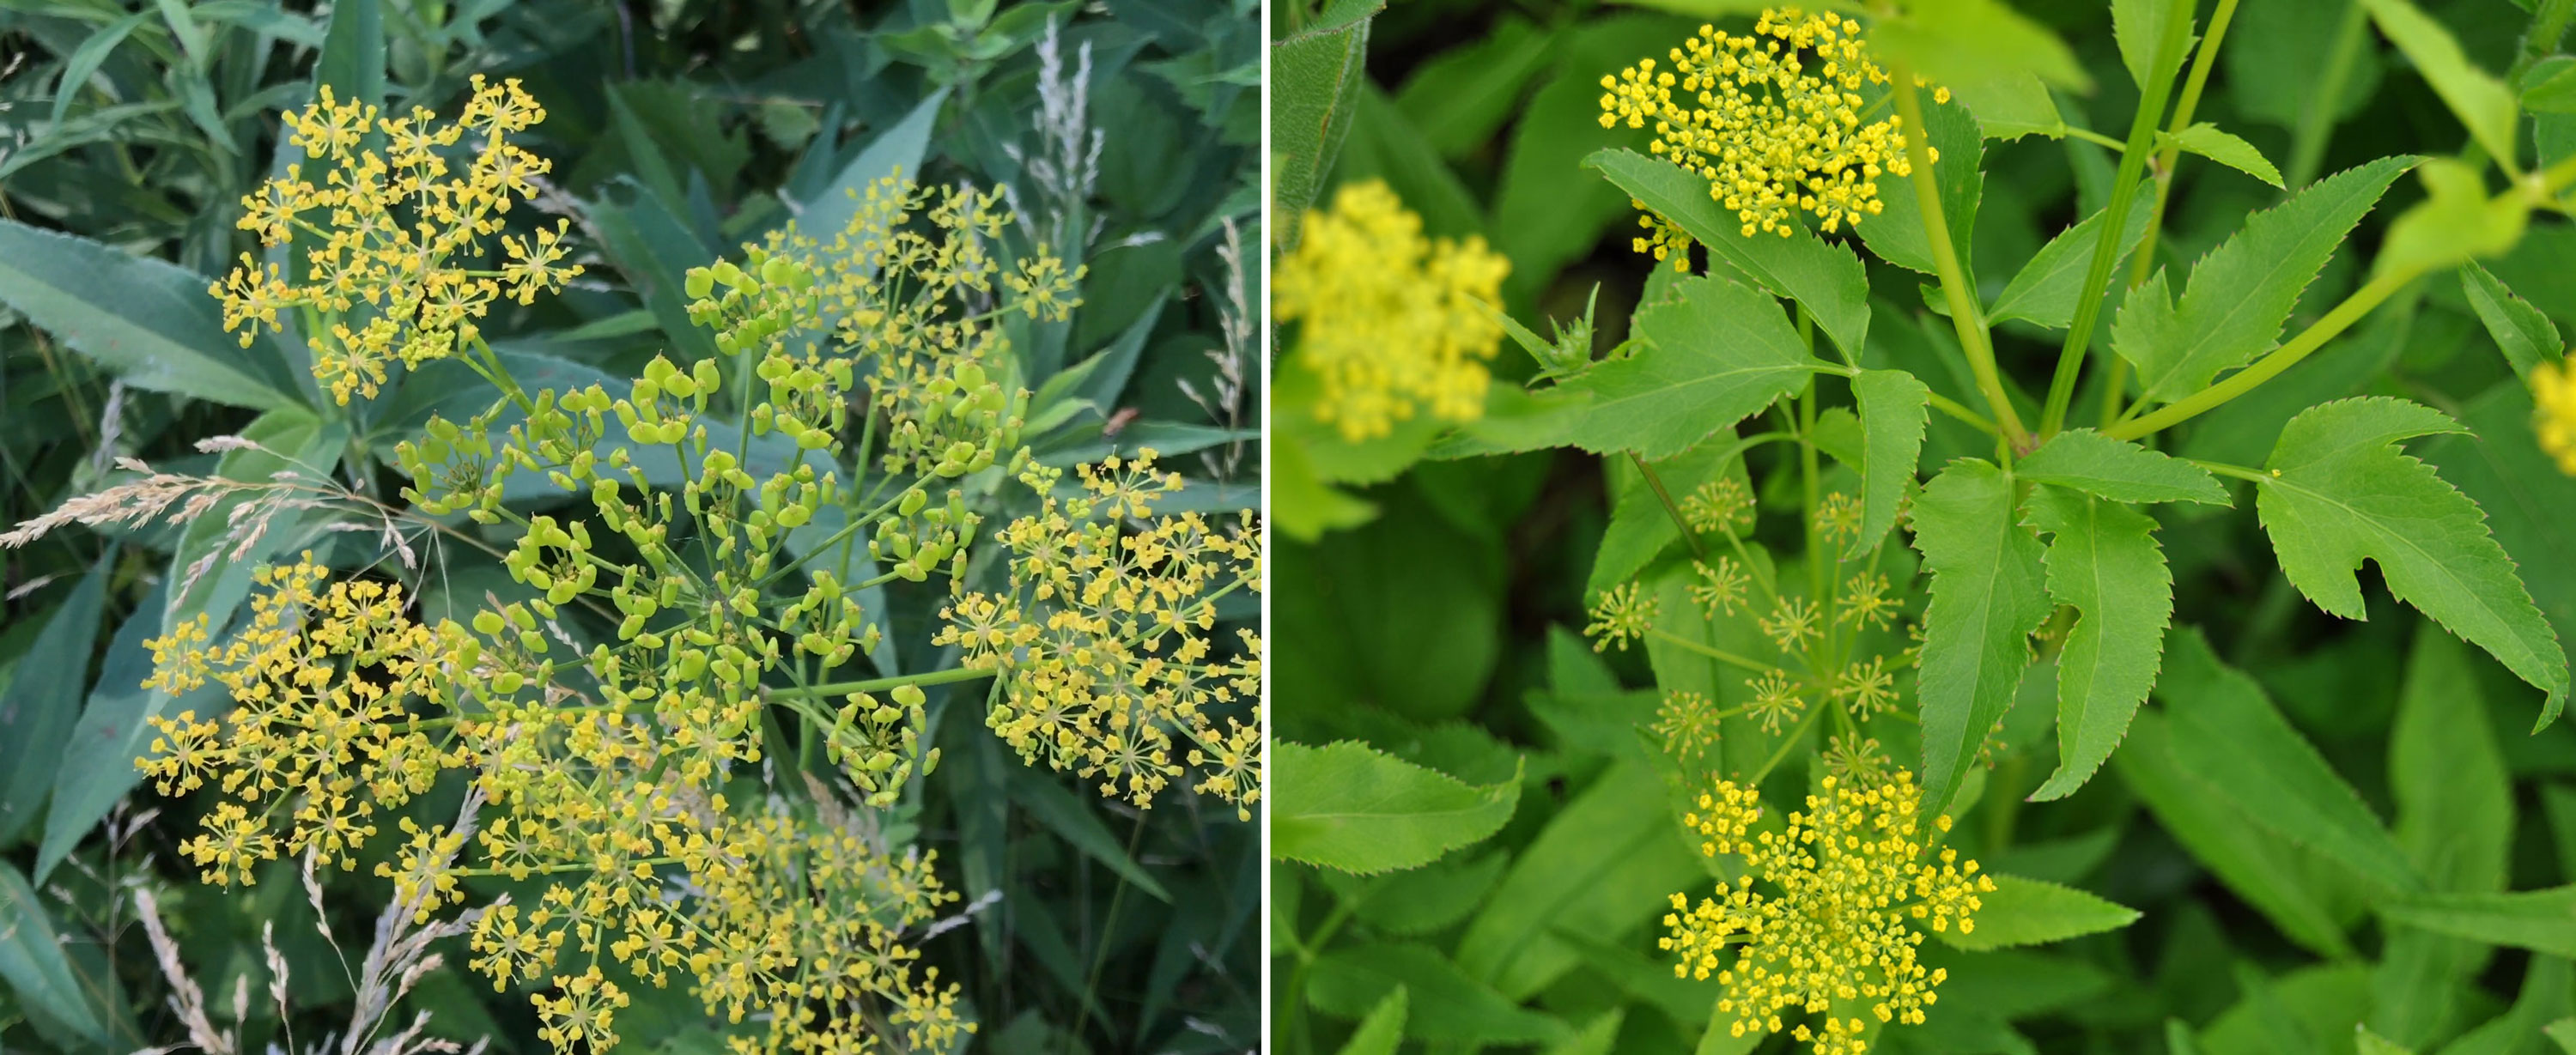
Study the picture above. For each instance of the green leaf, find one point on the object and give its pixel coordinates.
(2476, 97)
(2456, 222)
(2365, 1042)
(2119, 470)
(897, 151)
(150, 321)
(1710, 354)
(2550, 88)
(1351, 807)
(2539, 920)
(1824, 278)
(1987, 597)
(1965, 41)
(1302, 505)
(2044, 291)
(2227, 734)
(2031, 912)
(1894, 405)
(1070, 818)
(2012, 106)
(1444, 1003)
(33, 963)
(2102, 561)
(352, 62)
(2209, 141)
(1604, 866)
(1383, 1030)
(1897, 233)
(2340, 492)
(1315, 81)
(98, 762)
(2139, 28)
(1460, 97)
(2288, 885)
(84, 62)
(41, 704)
(2455, 819)
(2241, 293)
(1432, 898)
(2563, 1032)
(1595, 1038)
(2526, 335)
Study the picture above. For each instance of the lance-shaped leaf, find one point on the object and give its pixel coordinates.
(2102, 561)
(2527, 337)
(2209, 141)
(1824, 278)
(1712, 353)
(148, 320)
(2340, 492)
(2227, 733)
(1351, 807)
(1987, 597)
(2045, 289)
(2032, 912)
(2119, 470)
(1316, 74)
(2475, 96)
(2241, 293)
(2539, 920)
(1893, 407)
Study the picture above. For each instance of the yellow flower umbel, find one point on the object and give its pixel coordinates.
(1391, 320)
(1772, 120)
(1845, 889)
(2553, 393)
(391, 238)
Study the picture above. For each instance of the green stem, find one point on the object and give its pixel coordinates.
(2270, 366)
(843, 688)
(1698, 552)
(2115, 219)
(1955, 409)
(1718, 654)
(1965, 313)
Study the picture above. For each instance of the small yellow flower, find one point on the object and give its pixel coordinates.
(2553, 393)
(1688, 722)
(1721, 586)
(1392, 322)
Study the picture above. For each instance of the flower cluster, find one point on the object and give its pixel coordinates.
(1773, 120)
(391, 237)
(1102, 640)
(1846, 889)
(1392, 322)
(2553, 393)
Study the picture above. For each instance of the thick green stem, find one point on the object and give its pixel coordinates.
(1965, 312)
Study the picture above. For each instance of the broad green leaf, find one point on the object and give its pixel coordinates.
(2455, 821)
(1383, 1030)
(1432, 898)
(2119, 470)
(1963, 41)
(150, 321)
(2279, 880)
(2138, 26)
(2102, 561)
(2045, 290)
(1460, 97)
(1302, 505)
(2340, 493)
(2525, 334)
(32, 962)
(352, 63)
(2209, 141)
(2550, 88)
(1987, 597)
(43, 701)
(1897, 233)
(2012, 106)
(1641, 528)
(1603, 866)
(1711, 354)
(2476, 97)
(1443, 1003)
(1351, 807)
(2539, 920)
(1315, 79)
(98, 764)
(2456, 222)
(897, 151)
(2239, 295)
(1824, 278)
(1894, 406)
(2227, 734)
(2031, 912)
(1595, 1038)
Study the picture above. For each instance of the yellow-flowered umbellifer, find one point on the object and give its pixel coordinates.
(1774, 120)
(2553, 395)
(1392, 323)
(1829, 912)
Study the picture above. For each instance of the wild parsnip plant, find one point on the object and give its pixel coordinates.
(1909, 460)
(621, 660)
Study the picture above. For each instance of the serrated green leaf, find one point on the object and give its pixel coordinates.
(2239, 295)
(2525, 334)
(2138, 26)
(1383, 1030)
(148, 320)
(1595, 1038)
(1315, 79)
(2209, 141)
(1960, 41)
(1824, 278)
(2539, 920)
(43, 701)
(2227, 734)
(2045, 289)
(2012, 106)
(2031, 912)
(1351, 807)
(1894, 406)
(2102, 561)
(2340, 493)
(1897, 233)
(2119, 470)
(1711, 354)
(2550, 88)
(1988, 594)
(2476, 97)
(1443, 1002)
